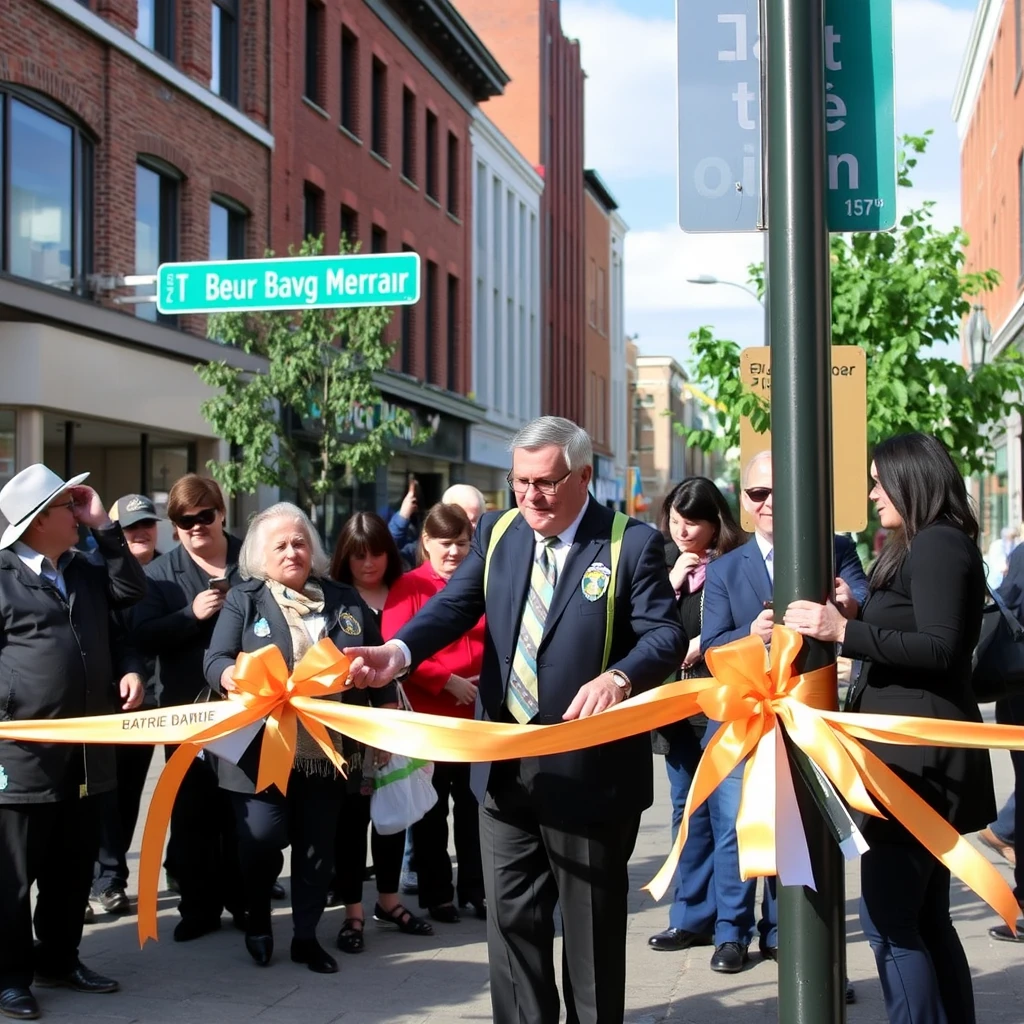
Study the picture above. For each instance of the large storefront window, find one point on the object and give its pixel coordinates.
(7, 468)
(46, 166)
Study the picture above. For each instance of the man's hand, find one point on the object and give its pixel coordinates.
(133, 689)
(89, 510)
(409, 503)
(822, 621)
(845, 601)
(598, 695)
(374, 666)
(227, 680)
(462, 689)
(207, 603)
(761, 627)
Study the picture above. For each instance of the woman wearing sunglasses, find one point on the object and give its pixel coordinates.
(174, 623)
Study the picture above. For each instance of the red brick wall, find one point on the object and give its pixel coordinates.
(131, 112)
(310, 146)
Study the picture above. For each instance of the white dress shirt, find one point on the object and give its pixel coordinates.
(768, 554)
(43, 567)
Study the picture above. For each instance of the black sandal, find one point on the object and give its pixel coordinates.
(403, 919)
(350, 938)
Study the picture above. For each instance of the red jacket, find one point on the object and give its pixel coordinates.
(425, 686)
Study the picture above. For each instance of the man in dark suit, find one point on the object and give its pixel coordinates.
(557, 829)
(738, 603)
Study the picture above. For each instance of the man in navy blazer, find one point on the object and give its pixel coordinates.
(737, 603)
(561, 828)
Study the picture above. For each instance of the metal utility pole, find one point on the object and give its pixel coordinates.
(812, 924)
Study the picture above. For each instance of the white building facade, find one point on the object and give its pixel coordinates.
(506, 302)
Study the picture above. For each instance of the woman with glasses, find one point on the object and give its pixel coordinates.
(174, 623)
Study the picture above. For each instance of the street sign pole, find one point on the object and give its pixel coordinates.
(811, 923)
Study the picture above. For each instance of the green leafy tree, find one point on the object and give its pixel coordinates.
(898, 295)
(292, 425)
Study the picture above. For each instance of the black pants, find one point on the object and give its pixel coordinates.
(118, 816)
(202, 852)
(430, 840)
(306, 820)
(528, 868)
(53, 845)
(1011, 712)
(350, 852)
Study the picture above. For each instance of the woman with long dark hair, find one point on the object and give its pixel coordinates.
(701, 526)
(366, 557)
(916, 634)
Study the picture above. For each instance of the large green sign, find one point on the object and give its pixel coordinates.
(300, 282)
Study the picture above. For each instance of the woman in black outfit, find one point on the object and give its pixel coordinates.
(916, 634)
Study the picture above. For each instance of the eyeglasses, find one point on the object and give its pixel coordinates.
(758, 495)
(69, 505)
(546, 487)
(204, 518)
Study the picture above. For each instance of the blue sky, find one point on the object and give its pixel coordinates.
(628, 49)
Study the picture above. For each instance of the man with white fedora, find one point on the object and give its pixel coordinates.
(61, 656)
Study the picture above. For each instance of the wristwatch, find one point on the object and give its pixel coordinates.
(621, 680)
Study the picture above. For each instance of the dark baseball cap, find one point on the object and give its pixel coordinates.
(134, 508)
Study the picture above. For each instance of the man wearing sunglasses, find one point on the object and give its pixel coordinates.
(174, 623)
(737, 603)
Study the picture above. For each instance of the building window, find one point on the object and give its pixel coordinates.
(312, 211)
(430, 312)
(379, 108)
(592, 293)
(453, 333)
(431, 145)
(349, 225)
(408, 332)
(602, 301)
(155, 26)
(156, 226)
(379, 240)
(224, 49)
(314, 42)
(227, 230)
(46, 193)
(408, 134)
(453, 174)
(7, 445)
(349, 81)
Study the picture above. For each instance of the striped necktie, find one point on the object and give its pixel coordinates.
(521, 698)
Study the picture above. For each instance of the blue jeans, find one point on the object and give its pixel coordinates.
(904, 911)
(1011, 712)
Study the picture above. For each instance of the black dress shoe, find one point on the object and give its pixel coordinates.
(90, 914)
(445, 913)
(277, 892)
(114, 901)
(478, 906)
(189, 928)
(729, 958)
(314, 956)
(1003, 934)
(851, 996)
(81, 979)
(19, 1004)
(768, 952)
(260, 947)
(672, 939)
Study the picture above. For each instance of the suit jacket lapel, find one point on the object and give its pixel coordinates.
(757, 571)
(280, 634)
(517, 565)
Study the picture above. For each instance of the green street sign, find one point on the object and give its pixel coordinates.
(298, 282)
(860, 115)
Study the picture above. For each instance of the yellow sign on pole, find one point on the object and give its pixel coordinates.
(849, 429)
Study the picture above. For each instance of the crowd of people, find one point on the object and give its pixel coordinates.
(467, 613)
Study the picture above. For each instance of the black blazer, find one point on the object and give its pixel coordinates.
(612, 782)
(350, 624)
(916, 638)
(165, 627)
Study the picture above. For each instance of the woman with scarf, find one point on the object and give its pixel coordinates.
(702, 527)
(288, 601)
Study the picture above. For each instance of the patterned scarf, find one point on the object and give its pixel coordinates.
(694, 578)
(309, 758)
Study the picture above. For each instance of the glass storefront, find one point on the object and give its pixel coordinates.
(7, 439)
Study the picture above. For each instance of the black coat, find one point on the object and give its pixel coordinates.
(166, 628)
(252, 603)
(916, 637)
(63, 659)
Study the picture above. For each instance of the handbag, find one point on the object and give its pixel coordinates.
(997, 669)
(403, 790)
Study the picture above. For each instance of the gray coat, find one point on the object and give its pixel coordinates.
(62, 659)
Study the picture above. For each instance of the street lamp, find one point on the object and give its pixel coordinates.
(711, 279)
(979, 334)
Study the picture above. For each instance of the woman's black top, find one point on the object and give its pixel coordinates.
(916, 637)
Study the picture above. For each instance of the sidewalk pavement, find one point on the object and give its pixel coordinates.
(406, 980)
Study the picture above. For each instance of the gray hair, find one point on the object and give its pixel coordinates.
(555, 430)
(251, 561)
(753, 461)
(462, 491)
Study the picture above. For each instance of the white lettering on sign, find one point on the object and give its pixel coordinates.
(218, 290)
(739, 23)
(836, 118)
(743, 97)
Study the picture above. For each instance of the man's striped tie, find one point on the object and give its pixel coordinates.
(521, 699)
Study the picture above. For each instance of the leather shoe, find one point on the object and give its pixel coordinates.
(260, 947)
(729, 958)
(90, 914)
(277, 892)
(851, 996)
(81, 979)
(445, 913)
(768, 952)
(314, 956)
(19, 1004)
(189, 928)
(1003, 934)
(478, 906)
(672, 939)
(114, 901)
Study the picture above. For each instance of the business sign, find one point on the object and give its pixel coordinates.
(849, 429)
(297, 282)
(721, 141)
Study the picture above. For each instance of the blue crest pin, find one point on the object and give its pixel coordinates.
(261, 628)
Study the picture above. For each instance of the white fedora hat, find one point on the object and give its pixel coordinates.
(26, 494)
